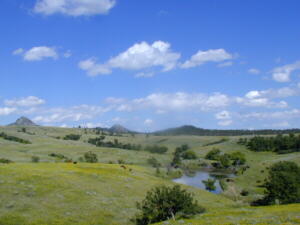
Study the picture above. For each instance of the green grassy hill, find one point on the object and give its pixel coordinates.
(54, 192)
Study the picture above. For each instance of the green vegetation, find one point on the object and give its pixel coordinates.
(281, 143)
(210, 184)
(73, 137)
(163, 203)
(2, 160)
(13, 138)
(45, 193)
(282, 185)
(90, 157)
(214, 154)
(35, 159)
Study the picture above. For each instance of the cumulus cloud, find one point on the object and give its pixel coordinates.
(179, 101)
(288, 114)
(148, 122)
(25, 102)
(37, 53)
(7, 111)
(202, 57)
(74, 7)
(254, 71)
(72, 114)
(225, 123)
(223, 115)
(283, 73)
(137, 57)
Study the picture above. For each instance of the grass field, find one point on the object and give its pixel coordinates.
(53, 192)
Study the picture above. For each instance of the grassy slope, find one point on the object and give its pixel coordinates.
(108, 206)
(63, 193)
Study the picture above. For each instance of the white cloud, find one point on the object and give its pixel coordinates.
(254, 71)
(73, 114)
(148, 122)
(283, 73)
(202, 57)
(179, 101)
(144, 74)
(37, 53)
(225, 123)
(25, 102)
(94, 69)
(282, 124)
(137, 57)
(18, 51)
(225, 64)
(74, 7)
(7, 111)
(261, 102)
(223, 115)
(288, 114)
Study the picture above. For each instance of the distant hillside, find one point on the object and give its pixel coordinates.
(23, 121)
(192, 130)
(118, 129)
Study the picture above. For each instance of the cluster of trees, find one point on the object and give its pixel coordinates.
(72, 137)
(13, 138)
(191, 130)
(128, 146)
(182, 152)
(226, 160)
(282, 185)
(280, 143)
(217, 142)
(209, 184)
(163, 203)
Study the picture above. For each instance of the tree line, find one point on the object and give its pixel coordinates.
(280, 144)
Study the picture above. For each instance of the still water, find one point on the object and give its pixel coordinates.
(198, 177)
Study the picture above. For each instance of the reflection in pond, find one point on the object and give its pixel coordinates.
(196, 180)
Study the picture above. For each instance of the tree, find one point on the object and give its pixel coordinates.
(283, 183)
(189, 155)
(35, 159)
(209, 184)
(225, 161)
(163, 203)
(238, 158)
(214, 154)
(90, 157)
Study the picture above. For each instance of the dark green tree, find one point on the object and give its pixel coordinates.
(90, 157)
(163, 203)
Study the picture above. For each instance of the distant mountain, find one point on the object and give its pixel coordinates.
(192, 130)
(118, 129)
(23, 121)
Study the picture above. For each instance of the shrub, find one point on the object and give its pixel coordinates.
(13, 138)
(3, 160)
(225, 161)
(214, 154)
(238, 158)
(163, 203)
(35, 159)
(189, 155)
(73, 137)
(156, 149)
(121, 161)
(209, 184)
(153, 162)
(90, 157)
(244, 193)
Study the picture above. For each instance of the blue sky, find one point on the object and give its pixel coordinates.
(151, 65)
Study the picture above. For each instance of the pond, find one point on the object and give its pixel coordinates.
(199, 176)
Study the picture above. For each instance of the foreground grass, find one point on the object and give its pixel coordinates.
(87, 194)
(267, 215)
